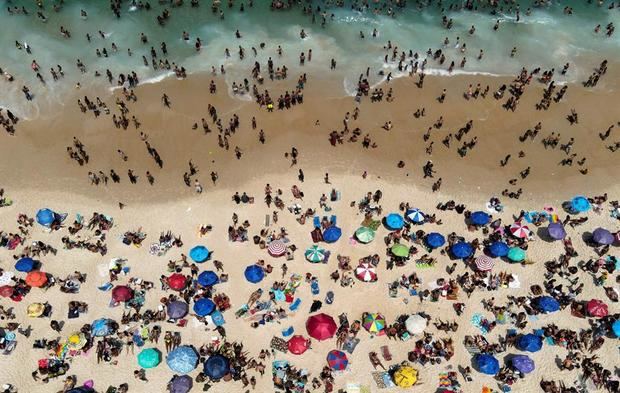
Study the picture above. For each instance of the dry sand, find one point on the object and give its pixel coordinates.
(37, 173)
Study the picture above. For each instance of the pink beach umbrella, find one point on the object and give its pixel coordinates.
(520, 230)
(276, 248)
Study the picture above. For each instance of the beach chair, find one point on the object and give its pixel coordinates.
(316, 221)
(385, 352)
(288, 331)
(332, 220)
(350, 344)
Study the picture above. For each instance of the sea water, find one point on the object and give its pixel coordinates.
(546, 38)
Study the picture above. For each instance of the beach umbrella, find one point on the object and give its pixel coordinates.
(337, 360)
(149, 358)
(181, 384)
(400, 250)
(462, 250)
(217, 366)
(315, 254)
(520, 230)
(199, 254)
(374, 322)
(6, 290)
(498, 249)
(405, 376)
(204, 306)
(484, 263)
(177, 281)
(101, 327)
(602, 236)
(35, 310)
(276, 248)
(546, 304)
(366, 272)
(479, 218)
(332, 234)
(522, 363)
(529, 342)
(486, 364)
(394, 221)
(122, 293)
(416, 324)
(36, 279)
(208, 278)
(556, 231)
(321, 326)
(6, 278)
(516, 254)
(435, 240)
(580, 204)
(415, 216)
(45, 217)
(177, 309)
(81, 389)
(596, 308)
(254, 273)
(25, 265)
(364, 234)
(298, 345)
(183, 359)
(76, 341)
(615, 327)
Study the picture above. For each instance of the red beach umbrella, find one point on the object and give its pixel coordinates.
(520, 230)
(36, 279)
(298, 345)
(122, 293)
(6, 291)
(177, 281)
(321, 326)
(276, 248)
(597, 308)
(484, 263)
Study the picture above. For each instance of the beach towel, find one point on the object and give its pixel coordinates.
(279, 344)
(295, 305)
(105, 287)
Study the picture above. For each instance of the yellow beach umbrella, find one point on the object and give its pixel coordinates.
(35, 310)
(406, 376)
(76, 341)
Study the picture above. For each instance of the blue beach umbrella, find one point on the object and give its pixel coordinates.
(580, 204)
(208, 278)
(332, 234)
(529, 342)
(522, 363)
(435, 240)
(602, 236)
(101, 327)
(182, 359)
(217, 366)
(45, 217)
(415, 216)
(479, 218)
(556, 231)
(499, 249)
(25, 265)
(177, 309)
(254, 274)
(487, 364)
(546, 304)
(203, 307)
(181, 384)
(199, 254)
(615, 327)
(394, 221)
(149, 358)
(462, 250)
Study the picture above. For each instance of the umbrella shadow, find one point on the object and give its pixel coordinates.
(543, 234)
(568, 208)
(588, 238)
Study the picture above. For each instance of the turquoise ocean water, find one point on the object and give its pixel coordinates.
(545, 36)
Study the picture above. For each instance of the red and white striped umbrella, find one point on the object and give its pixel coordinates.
(484, 263)
(366, 272)
(520, 230)
(276, 248)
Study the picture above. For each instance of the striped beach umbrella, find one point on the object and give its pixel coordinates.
(415, 216)
(366, 272)
(484, 263)
(276, 248)
(315, 254)
(374, 322)
(520, 230)
(337, 360)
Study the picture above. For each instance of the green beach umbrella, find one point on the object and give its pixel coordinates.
(400, 250)
(149, 358)
(516, 254)
(315, 254)
(364, 234)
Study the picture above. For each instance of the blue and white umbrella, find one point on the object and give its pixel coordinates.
(415, 216)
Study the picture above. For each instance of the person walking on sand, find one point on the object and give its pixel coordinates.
(198, 186)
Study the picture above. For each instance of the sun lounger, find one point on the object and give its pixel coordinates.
(385, 352)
